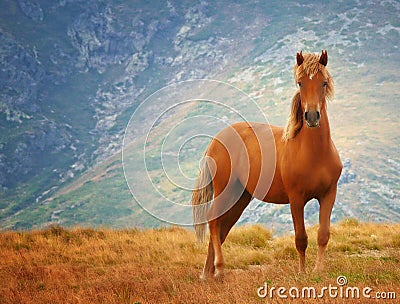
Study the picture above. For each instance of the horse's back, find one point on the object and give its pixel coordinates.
(248, 152)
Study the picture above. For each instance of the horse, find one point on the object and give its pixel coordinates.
(282, 165)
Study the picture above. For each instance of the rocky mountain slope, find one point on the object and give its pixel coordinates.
(73, 72)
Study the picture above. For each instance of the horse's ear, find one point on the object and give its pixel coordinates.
(323, 59)
(299, 58)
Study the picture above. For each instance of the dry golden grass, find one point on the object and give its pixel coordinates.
(163, 266)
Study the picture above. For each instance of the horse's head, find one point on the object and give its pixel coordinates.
(315, 85)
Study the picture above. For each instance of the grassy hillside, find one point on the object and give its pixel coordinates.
(162, 266)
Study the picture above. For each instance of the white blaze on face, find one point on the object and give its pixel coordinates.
(318, 108)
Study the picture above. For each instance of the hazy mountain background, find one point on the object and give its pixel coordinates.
(73, 72)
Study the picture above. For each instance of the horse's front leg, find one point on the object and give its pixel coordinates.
(325, 210)
(301, 238)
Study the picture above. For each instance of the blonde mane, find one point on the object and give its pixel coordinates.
(309, 68)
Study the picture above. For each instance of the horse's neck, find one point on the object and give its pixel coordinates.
(316, 138)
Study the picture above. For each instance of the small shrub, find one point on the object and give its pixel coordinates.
(54, 230)
(286, 253)
(254, 236)
(349, 222)
(91, 233)
(396, 241)
(346, 248)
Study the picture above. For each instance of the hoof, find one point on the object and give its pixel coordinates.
(318, 269)
(206, 276)
(219, 276)
(219, 273)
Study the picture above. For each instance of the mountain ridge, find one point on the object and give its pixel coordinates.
(73, 72)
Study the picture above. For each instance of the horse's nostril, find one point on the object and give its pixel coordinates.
(312, 118)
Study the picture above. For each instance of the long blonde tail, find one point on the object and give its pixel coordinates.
(201, 200)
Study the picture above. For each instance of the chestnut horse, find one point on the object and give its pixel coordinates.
(290, 165)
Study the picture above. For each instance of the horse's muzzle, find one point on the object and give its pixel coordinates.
(312, 118)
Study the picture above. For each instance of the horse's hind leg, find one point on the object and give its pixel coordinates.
(214, 246)
(231, 217)
(220, 226)
(215, 240)
(209, 268)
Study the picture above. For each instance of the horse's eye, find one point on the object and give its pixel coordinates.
(299, 83)
(325, 84)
